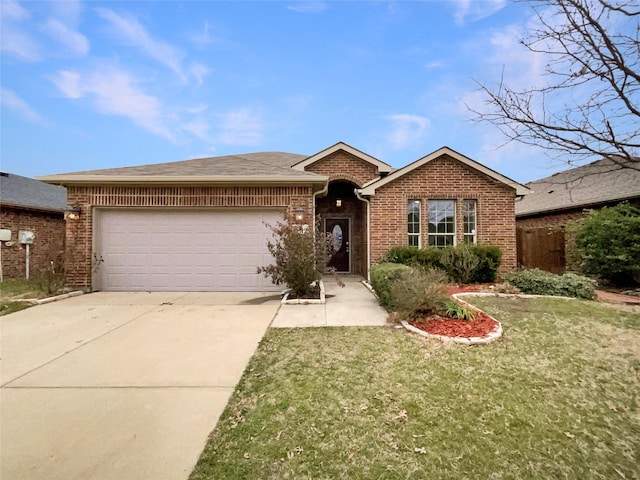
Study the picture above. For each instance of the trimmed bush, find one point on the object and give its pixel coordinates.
(413, 256)
(382, 276)
(485, 271)
(490, 258)
(539, 282)
(459, 262)
(419, 292)
(610, 243)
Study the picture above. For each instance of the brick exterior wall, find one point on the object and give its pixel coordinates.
(79, 233)
(346, 170)
(445, 179)
(344, 166)
(48, 245)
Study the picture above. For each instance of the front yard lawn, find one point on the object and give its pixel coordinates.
(557, 397)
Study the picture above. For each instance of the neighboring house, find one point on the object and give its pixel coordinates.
(32, 206)
(199, 224)
(569, 195)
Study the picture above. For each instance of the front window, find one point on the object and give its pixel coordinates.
(469, 221)
(413, 223)
(442, 223)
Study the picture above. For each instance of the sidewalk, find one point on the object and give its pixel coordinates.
(351, 306)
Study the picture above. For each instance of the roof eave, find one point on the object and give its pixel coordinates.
(575, 206)
(318, 181)
(380, 165)
(5, 203)
(520, 189)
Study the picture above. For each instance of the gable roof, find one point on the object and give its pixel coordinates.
(18, 191)
(370, 188)
(382, 167)
(264, 167)
(598, 182)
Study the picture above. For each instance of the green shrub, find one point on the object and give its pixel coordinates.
(490, 258)
(456, 310)
(485, 271)
(419, 292)
(610, 243)
(382, 276)
(413, 256)
(459, 262)
(539, 282)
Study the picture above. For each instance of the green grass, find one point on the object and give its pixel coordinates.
(12, 289)
(557, 397)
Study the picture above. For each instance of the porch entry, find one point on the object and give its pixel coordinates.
(339, 228)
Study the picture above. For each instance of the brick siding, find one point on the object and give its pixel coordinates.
(79, 234)
(344, 166)
(47, 246)
(445, 179)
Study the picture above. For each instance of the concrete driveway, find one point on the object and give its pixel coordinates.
(121, 385)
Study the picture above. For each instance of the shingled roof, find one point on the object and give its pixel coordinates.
(598, 182)
(248, 166)
(17, 191)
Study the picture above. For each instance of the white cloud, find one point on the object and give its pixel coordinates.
(199, 128)
(11, 101)
(74, 41)
(241, 127)
(114, 92)
(406, 130)
(67, 11)
(200, 108)
(20, 45)
(133, 33)
(309, 6)
(16, 41)
(199, 71)
(203, 37)
(475, 10)
(12, 10)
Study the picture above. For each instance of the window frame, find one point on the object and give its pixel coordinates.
(433, 237)
(473, 234)
(414, 234)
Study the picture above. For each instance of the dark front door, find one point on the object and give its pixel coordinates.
(339, 230)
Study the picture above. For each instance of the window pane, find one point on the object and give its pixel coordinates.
(413, 222)
(442, 222)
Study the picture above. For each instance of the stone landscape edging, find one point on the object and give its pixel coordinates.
(305, 301)
(490, 337)
(42, 301)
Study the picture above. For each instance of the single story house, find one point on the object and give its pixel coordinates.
(27, 205)
(569, 195)
(199, 224)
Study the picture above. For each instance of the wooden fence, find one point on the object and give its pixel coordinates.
(542, 248)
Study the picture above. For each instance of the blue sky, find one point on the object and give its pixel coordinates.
(88, 85)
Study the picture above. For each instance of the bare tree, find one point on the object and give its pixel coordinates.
(589, 104)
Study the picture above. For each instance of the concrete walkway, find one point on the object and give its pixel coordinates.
(121, 385)
(351, 306)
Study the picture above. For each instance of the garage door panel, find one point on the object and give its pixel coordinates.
(184, 250)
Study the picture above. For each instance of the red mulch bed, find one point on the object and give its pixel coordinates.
(481, 326)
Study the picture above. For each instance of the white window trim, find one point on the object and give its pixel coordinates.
(474, 234)
(455, 219)
(419, 234)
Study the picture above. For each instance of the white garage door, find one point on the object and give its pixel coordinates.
(183, 250)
